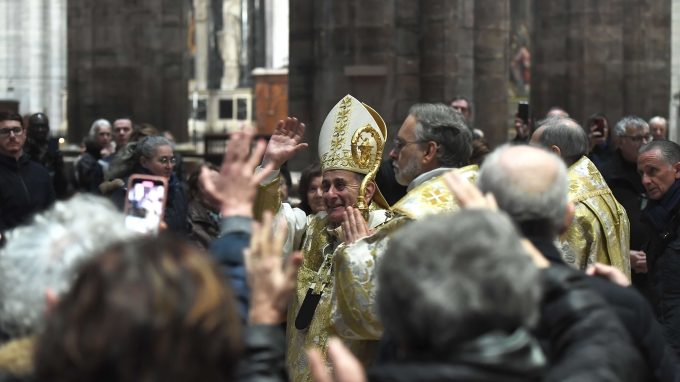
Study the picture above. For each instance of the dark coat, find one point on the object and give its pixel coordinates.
(25, 188)
(624, 181)
(204, 224)
(635, 314)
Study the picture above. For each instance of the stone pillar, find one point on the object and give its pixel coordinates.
(674, 104)
(230, 37)
(491, 68)
(128, 58)
(609, 56)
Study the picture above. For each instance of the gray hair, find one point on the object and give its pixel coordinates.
(46, 254)
(130, 155)
(566, 134)
(445, 126)
(450, 278)
(669, 150)
(94, 130)
(629, 120)
(543, 200)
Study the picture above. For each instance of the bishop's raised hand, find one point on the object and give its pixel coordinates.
(285, 142)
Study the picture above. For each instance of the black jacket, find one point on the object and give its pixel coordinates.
(25, 188)
(634, 312)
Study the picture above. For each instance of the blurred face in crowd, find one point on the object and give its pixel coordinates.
(162, 162)
(103, 135)
(12, 138)
(658, 129)
(340, 190)
(407, 153)
(631, 141)
(463, 108)
(315, 195)
(122, 129)
(38, 127)
(657, 174)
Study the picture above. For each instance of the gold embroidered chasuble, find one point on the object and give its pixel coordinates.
(600, 231)
(313, 237)
(354, 312)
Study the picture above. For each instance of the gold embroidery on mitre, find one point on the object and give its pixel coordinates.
(363, 148)
(341, 122)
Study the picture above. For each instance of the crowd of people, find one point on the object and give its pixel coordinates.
(553, 257)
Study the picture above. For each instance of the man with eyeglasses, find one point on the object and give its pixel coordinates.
(432, 141)
(25, 186)
(619, 169)
(600, 230)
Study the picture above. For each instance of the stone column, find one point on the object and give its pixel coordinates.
(491, 66)
(609, 56)
(674, 104)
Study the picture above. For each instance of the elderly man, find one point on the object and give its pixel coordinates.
(619, 170)
(659, 164)
(350, 148)
(531, 185)
(100, 131)
(432, 141)
(658, 126)
(26, 187)
(39, 263)
(600, 232)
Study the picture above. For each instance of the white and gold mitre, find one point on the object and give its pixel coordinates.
(352, 138)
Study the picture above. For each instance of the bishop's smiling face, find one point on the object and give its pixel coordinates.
(340, 190)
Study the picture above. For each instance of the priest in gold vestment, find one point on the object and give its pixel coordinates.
(600, 232)
(351, 144)
(432, 141)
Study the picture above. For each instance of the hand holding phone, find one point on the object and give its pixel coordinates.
(145, 203)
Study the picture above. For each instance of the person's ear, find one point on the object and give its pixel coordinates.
(568, 217)
(51, 300)
(143, 161)
(676, 168)
(556, 150)
(430, 152)
(370, 191)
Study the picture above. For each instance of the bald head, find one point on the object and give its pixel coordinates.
(658, 126)
(529, 183)
(563, 136)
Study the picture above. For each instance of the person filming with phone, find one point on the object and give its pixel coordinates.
(148, 160)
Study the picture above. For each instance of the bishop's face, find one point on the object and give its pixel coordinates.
(340, 190)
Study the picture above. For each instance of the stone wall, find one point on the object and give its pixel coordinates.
(610, 56)
(392, 54)
(128, 58)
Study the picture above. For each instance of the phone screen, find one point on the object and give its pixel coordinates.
(145, 204)
(523, 111)
(599, 125)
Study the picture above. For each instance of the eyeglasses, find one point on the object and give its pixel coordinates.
(166, 160)
(18, 131)
(400, 143)
(640, 138)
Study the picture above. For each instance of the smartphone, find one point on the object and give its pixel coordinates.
(145, 203)
(523, 111)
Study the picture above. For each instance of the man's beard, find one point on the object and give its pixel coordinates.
(408, 173)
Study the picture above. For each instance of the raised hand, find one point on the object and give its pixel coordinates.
(271, 284)
(285, 142)
(346, 367)
(354, 227)
(235, 186)
(467, 194)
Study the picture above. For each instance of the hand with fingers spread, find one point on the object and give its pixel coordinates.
(271, 284)
(354, 227)
(346, 367)
(467, 194)
(235, 186)
(284, 143)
